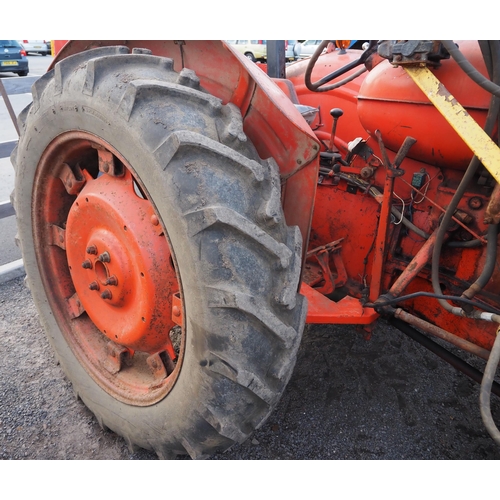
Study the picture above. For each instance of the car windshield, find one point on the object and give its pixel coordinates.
(9, 44)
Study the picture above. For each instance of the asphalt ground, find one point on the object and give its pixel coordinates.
(386, 398)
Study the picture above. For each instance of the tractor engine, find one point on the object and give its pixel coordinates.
(406, 215)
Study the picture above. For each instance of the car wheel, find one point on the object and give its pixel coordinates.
(250, 56)
(22, 73)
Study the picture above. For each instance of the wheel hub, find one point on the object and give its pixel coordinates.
(120, 263)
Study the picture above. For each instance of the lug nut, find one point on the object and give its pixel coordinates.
(112, 280)
(87, 264)
(94, 285)
(92, 250)
(104, 257)
(106, 294)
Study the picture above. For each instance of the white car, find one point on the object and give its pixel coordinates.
(36, 46)
(308, 48)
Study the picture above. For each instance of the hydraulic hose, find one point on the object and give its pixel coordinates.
(436, 254)
(468, 176)
(469, 69)
(489, 266)
(486, 389)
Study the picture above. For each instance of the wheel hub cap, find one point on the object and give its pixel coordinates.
(120, 263)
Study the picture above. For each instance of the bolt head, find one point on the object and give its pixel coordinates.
(106, 295)
(112, 280)
(475, 203)
(94, 285)
(104, 257)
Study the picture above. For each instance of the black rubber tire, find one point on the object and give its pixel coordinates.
(250, 56)
(23, 73)
(239, 263)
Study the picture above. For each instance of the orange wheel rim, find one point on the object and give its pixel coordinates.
(108, 268)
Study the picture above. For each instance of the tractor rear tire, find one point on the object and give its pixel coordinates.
(236, 262)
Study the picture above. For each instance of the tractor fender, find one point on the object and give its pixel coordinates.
(270, 120)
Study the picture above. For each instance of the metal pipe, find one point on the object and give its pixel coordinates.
(455, 361)
(442, 334)
(418, 262)
(10, 109)
(276, 64)
(383, 225)
(391, 171)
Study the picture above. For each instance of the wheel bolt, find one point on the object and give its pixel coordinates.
(94, 285)
(92, 250)
(106, 294)
(104, 257)
(112, 280)
(87, 264)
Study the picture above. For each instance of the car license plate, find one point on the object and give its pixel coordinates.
(9, 63)
(37, 46)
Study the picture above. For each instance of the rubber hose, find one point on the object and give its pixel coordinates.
(469, 69)
(489, 266)
(485, 394)
(468, 176)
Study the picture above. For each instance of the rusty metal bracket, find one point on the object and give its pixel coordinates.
(322, 254)
(411, 52)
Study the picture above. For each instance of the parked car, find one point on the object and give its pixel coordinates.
(13, 58)
(293, 50)
(36, 46)
(255, 50)
(308, 48)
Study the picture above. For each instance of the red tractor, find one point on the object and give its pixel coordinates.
(182, 215)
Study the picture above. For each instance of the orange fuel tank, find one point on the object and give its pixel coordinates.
(391, 102)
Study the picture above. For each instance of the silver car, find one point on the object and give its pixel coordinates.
(36, 46)
(292, 50)
(308, 48)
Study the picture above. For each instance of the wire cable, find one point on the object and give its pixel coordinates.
(402, 298)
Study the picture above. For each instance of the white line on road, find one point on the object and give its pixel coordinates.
(11, 270)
